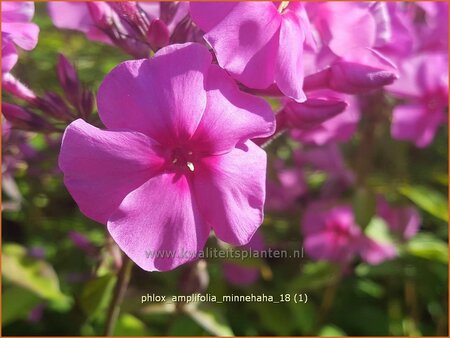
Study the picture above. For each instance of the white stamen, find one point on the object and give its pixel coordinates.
(190, 165)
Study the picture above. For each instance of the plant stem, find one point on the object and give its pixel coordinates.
(119, 292)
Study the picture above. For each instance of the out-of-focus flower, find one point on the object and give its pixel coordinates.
(259, 43)
(404, 221)
(332, 234)
(83, 243)
(175, 161)
(17, 30)
(328, 159)
(242, 275)
(431, 35)
(285, 190)
(135, 27)
(424, 86)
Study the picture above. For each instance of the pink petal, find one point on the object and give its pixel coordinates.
(344, 26)
(17, 11)
(101, 167)
(246, 42)
(230, 191)
(160, 218)
(324, 246)
(231, 116)
(375, 253)
(413, 123)
(208, 15)
(70, 15)
(162, 97)
(9, 55)
(25, 35)
(289, 71)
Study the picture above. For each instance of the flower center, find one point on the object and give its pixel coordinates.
(182, 159)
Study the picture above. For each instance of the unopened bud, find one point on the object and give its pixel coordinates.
(101, 13)
(313, 111)
(25, 119)
(158, 34)
(68, 78)
(353, 78)
(16, 88)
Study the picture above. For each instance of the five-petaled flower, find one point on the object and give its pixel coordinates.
(176, 159)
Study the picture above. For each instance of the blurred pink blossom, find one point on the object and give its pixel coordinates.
(332, 234)
(17, 30)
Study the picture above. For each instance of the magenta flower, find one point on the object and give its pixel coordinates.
(404, 221)
(424, 84)
(17, 30)
(175, 160)
(332, 234)
(259, 43)
(287, 187)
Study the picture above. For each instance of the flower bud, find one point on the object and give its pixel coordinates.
(101, 14)
(158, 34)
(16, 88)
(68, 78)
(353, 78)
(313, 111)
(53, 105)
(25, 119)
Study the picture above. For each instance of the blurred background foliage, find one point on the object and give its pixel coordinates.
(51, 286)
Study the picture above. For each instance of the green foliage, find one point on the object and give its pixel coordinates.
(427, 199)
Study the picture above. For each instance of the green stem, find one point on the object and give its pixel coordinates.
(119, 293)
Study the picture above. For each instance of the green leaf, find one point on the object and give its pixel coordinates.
(314, 276)
(128, 325)
(32, 274)
(96, 294)
(378, 230)
(184, 326)
(427, 199)
(17, 304)
(331, 331)
(211, 319)
(427, 246)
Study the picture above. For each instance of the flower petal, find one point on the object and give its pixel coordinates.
(207, 15)
(70, 15)
(158, 225)
(289, 72)
(25, 35)
(102, 167)
(162, 97)
(231, 116)
(230, 191)
(9, 55)
(413, 123)
(17, 11)
(246, 42)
